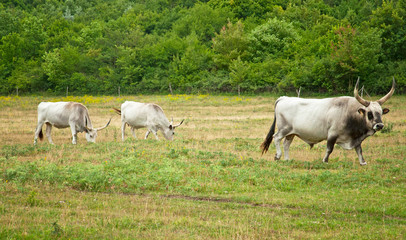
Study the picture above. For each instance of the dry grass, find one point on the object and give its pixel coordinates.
(214, 117)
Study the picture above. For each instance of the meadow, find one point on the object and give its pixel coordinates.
(210, 182)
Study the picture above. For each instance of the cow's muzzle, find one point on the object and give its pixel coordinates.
(378, 126)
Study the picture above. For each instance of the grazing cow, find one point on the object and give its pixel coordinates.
(345, 121)
(63, 115)
(145, 115)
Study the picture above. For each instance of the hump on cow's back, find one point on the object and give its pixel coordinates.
(341, 101)
(156, 107)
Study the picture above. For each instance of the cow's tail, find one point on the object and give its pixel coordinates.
(118, 111)
(268, 139)
(40, 135)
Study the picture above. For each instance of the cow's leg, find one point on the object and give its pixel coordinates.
(122, 130)
(156, 134)
(286, 145)
(74, 133)
(331, 141)
(154, 131)
(48, 132)
(37, 132)
(278, 153)
(133, 132)
(358, 149)
(146, 134)
(277, 138)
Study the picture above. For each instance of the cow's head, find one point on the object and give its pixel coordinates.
(170, 130)
(373, 111)
(91, 133)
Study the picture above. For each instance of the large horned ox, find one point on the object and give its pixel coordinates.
(145, 115)
(345, 121)
(63, 115)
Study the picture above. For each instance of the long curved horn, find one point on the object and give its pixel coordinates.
(100, 128)
(360, 99)
(178, 124)
(387, 96)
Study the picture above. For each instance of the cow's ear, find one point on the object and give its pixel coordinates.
(385, 111)
(361, 111)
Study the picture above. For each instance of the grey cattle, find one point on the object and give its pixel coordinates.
(145, 115)
(63, 115)
(345, 121)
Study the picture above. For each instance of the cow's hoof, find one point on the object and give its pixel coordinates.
(277, 158)
(363, 163)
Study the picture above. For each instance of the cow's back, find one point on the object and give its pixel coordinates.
(50, 110)
(140, 115)
(59, 113)
(309, 119)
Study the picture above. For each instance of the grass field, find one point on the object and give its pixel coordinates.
(211, 182)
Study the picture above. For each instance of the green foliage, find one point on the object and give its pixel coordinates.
(185, 69)
(344, 68)
(243, 9)
(390, 19)
(27, 76)
(201, 20)
(230, 44)
(61, 65)
(271, 39)
(94, 47)
(8, 22)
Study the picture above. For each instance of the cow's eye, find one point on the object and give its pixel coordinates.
(370, 116)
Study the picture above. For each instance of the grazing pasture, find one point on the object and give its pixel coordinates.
(210, 182)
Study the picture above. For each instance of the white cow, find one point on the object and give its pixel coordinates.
(145, 115)
(345, 121)
(63, 115)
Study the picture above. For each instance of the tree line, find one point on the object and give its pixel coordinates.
(156, 46)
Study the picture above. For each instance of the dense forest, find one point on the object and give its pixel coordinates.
(216, 46)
